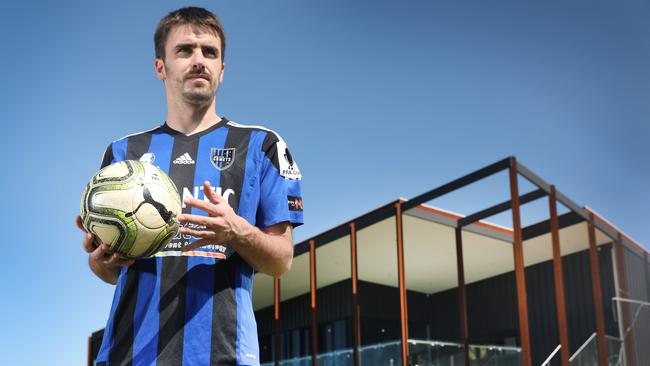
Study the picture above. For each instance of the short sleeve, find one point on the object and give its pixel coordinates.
(108, 156)
(280, 185)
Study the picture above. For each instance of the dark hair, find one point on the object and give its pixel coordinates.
(191, 15)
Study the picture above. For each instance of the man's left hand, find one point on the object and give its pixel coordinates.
(221, 226)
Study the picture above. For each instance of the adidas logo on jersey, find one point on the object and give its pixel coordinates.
(184, 159)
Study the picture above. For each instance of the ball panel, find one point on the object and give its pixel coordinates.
(105, 233)
(153, 202)
(120, 171)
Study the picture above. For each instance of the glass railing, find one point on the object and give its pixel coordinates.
(435, 353)
(614, 351)
(343, 357)
(421, 353)
(382, 354)
(485, 355)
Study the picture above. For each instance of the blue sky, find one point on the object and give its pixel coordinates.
(377, 100)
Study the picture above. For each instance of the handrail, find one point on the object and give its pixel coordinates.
(582, 347)
(548, 359)
(632, 301)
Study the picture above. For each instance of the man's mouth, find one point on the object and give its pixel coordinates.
(198, 76)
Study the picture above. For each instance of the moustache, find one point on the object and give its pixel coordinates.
(198, 75)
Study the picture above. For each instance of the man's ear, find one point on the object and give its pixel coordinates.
(159, 67)
(223, 69)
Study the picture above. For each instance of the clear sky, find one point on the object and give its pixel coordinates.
(377, 100)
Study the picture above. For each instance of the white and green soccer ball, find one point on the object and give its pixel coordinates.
(132, 206)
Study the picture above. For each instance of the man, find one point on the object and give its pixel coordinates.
(191, 303)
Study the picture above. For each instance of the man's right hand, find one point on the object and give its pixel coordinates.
(104, 264)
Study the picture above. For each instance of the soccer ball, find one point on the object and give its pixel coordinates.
(132, 206)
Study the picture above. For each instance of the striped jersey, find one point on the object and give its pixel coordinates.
(195, 308)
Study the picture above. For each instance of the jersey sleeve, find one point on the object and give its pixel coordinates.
(108, 156)
(280, 185)
(116, 151)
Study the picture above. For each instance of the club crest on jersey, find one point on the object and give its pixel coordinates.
(222, 158)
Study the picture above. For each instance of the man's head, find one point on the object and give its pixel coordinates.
(189, 46)
(196, 17)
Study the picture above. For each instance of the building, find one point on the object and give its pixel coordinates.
(412, 284)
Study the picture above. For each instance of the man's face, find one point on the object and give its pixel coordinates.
(193, 67)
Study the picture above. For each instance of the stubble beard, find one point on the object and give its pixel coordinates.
(199, 96)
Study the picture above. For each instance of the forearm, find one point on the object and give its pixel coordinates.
(268, 252)
(108, 274)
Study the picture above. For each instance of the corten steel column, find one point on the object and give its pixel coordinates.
(462, 295)
(558, 277)
(520, 275)
(622, 277)
(276, 305)
(598, 295)
(402, 284)
(356, 311)
(314, 316)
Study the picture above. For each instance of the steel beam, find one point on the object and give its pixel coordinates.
(356, 310)
(402, 284)
(623, 292)
(501, 207)
(314, 304)
(541, 228)
(597, 292)
(457, 183)
(558, 278)
(462, 295)
(520, 275)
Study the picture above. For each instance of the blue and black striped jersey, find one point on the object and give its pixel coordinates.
(195, 308)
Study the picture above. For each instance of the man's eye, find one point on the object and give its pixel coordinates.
(184, 51)
(211, 52)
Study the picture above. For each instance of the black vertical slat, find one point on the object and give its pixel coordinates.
(123, 329)
(137, 145)
(107, 159)
(224, 308)
(174, 269)
(122, 351)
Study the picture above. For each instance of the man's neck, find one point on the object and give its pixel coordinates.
(191, 118)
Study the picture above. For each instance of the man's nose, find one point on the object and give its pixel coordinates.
(198, 60)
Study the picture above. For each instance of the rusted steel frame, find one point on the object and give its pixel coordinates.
(402, 283)
(597, 291)
(520, 275)
(276, 315)
(314, 304)
(356, 311)
(558, 277)
(341, 230)
(501, 207)
(462, 295)
(625, 308)
(457, 183)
